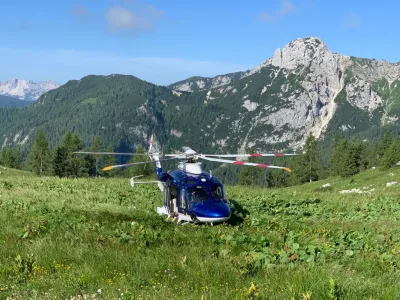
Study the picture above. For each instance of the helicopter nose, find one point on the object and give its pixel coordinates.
(213, 210)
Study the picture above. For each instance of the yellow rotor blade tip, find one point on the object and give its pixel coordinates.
(107, 168)
(287, 169)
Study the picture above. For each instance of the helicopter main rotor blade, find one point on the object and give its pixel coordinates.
(108, 168)
(235, 162)
(250, 155)
(107, 153)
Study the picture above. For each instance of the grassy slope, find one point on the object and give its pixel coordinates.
(91, 234)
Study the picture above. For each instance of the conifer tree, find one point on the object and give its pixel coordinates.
(278, 177)
(143, 169)
(97, 147)
(110, 161)
(392, 155)
(60, 162)
(252, 176)
(350, 164)
(307, 166)
(384, 144)
(7, 157)
(336, 156)
(17, 158)
(39, 156)
(74, 165)
(67, 141)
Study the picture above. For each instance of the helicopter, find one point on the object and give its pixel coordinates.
(189, 193)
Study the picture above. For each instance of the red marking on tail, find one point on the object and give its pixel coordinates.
(262, 165)
(239, 163)
(279, 154)
(255, 155)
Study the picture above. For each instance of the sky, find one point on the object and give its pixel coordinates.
(164, 41)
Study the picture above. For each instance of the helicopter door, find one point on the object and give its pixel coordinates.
(167, 199)
(182, 202)
(174, 199)
(170, 199)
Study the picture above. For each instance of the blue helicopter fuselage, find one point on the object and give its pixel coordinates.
(200, 197)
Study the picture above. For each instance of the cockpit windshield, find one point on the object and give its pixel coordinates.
(197, 194)
(217, 192)
(200, 193)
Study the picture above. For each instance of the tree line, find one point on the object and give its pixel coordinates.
(347, 157)
(61, 161)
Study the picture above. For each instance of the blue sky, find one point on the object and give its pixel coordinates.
(165, 41)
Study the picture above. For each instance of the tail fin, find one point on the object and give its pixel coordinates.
(155, 156)
(151, 142)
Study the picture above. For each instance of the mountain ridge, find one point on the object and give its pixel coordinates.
(11, 102)
(302, 88)
(26, 90)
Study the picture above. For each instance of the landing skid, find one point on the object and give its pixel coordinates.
(181, 217)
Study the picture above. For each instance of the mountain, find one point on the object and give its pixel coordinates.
(25, 89)
(197, 83)
(11, 102)
(303, 88)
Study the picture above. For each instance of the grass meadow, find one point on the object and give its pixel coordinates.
(99, 238)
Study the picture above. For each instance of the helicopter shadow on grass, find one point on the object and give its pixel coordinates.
(238, 213)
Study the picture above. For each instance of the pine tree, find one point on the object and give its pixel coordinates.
(75, 165)
(351, 160)
(143, 169)
(110, 161)
(7, 157)
(252, 176)
(97, 147)
(39, 156)
(67, 141)
(17, 158)
(76, 142)
(392, 155)
(60, 162)
(384, 144)
(307, 166)
(336, 156)
(278, 177)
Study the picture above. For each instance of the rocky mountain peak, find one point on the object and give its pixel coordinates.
(299, 53)
(26, 89)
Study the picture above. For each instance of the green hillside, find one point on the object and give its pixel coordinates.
(11, 102)
(64, 238)
(122, 110)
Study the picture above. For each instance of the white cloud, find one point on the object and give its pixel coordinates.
(352, 21)
(122, 19)
(133, 20)
(286, 7)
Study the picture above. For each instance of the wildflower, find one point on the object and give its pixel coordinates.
(99, 291)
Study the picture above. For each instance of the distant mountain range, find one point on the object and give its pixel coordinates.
(25, 89)
(303, 88)
(11, 102)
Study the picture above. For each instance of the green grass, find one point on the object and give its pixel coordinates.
(61, 238)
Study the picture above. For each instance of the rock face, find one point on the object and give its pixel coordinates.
(303, 88)
(25, 89)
